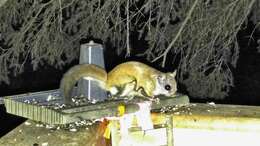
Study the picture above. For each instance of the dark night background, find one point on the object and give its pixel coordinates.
(245, 92)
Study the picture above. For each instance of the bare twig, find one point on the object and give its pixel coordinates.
(128, 50)
(60, 16)
(28, 26)
(164, 55)
(71, 3)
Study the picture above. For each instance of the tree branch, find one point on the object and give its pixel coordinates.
(177, 35)
(128, 50)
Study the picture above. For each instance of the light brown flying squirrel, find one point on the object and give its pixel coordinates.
(151, 81)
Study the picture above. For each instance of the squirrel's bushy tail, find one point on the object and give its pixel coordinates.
(74, 74)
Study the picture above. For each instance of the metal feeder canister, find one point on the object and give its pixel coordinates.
(91, 53)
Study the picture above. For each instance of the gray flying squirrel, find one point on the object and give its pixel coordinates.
(143, 77)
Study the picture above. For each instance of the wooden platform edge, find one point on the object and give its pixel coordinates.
(74, 114)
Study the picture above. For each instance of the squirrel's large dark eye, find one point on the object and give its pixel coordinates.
(167, 87)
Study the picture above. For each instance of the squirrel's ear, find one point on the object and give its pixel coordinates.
(173, 74)
(159, 77)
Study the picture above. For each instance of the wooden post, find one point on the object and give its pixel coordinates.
(91, 53)
(169, 130)
(115, 133)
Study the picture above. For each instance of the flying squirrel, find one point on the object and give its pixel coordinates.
(150, 81)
